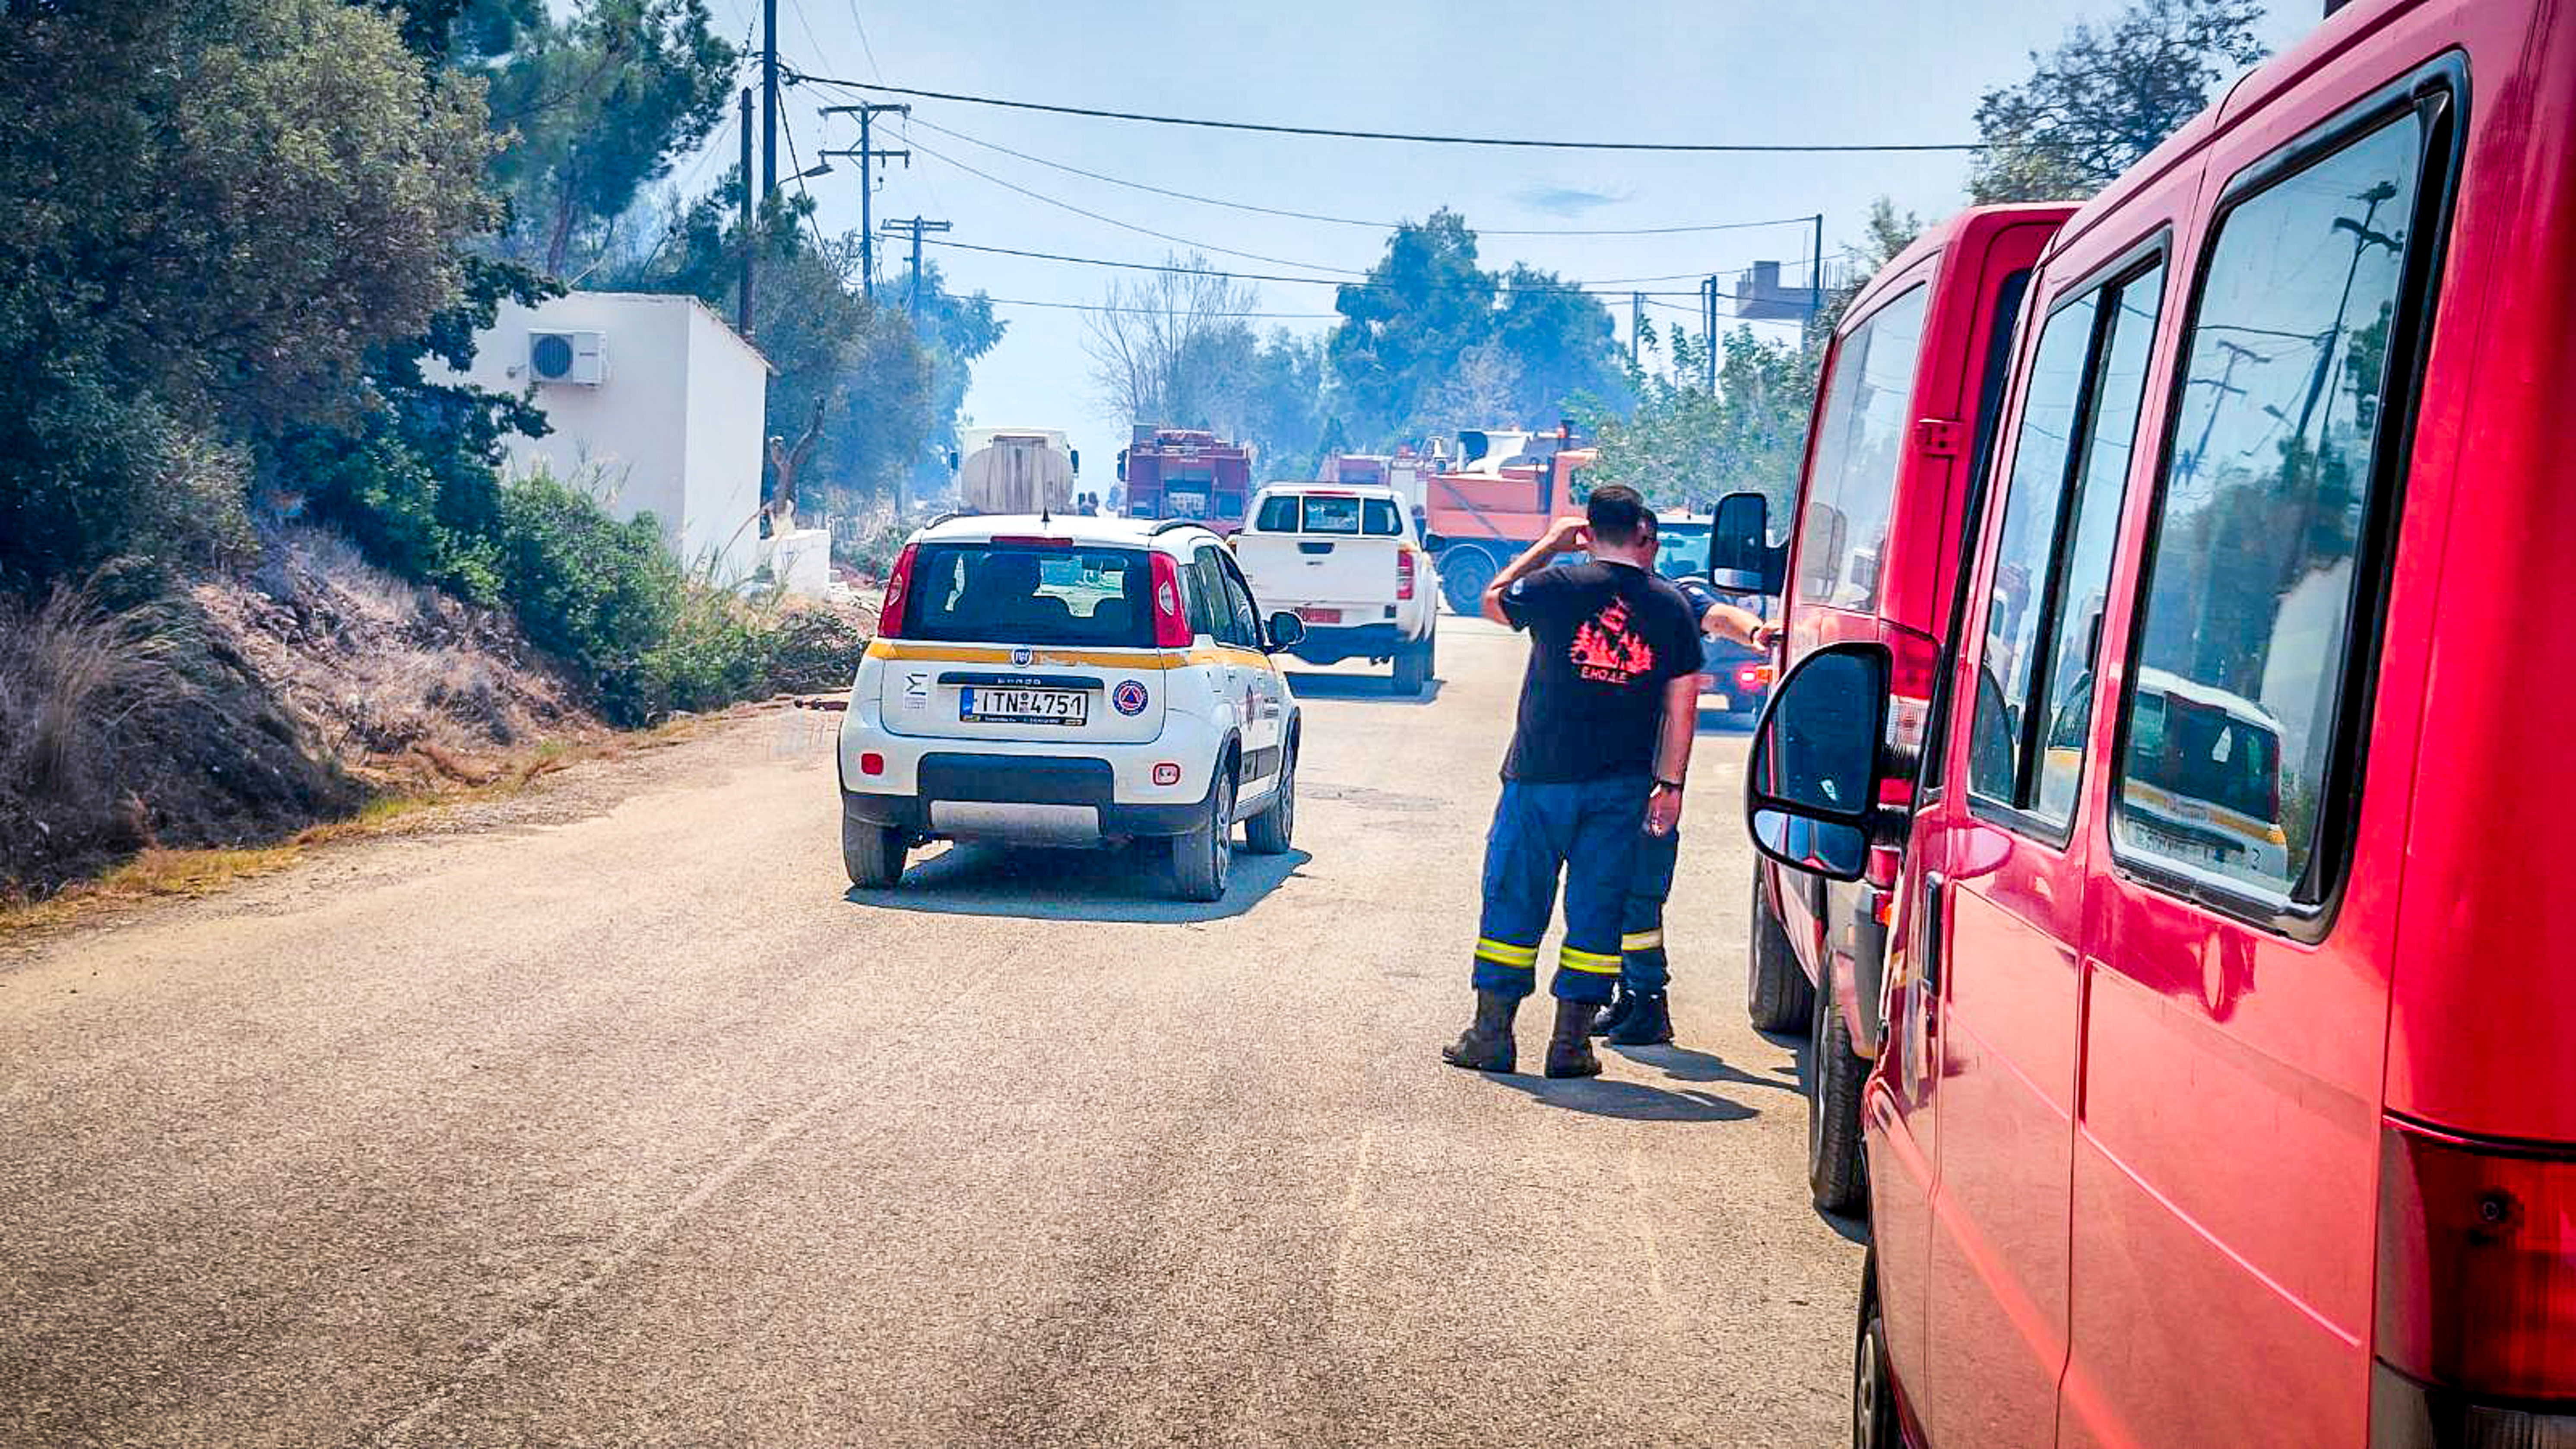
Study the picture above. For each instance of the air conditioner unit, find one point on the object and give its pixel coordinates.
(579, 358)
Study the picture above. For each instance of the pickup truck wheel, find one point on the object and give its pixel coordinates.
(1777, 996)
(1464, 572)
(1836, 1180)
(1269, 832)
(1874, 1419)
(1413, 668)
(873, 854)
(1204, 857)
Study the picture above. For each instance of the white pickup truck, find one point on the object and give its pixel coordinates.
(1348, 561)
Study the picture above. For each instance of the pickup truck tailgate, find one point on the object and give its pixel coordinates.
(1293, 571)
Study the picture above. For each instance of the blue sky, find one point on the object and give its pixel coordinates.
(1837, 71)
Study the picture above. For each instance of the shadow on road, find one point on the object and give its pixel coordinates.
(1685, 1065)
(1712, 722)
(1131, 884)
(1629, 1101)
(1359, 688)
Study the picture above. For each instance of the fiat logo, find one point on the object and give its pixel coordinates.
(1021, 657)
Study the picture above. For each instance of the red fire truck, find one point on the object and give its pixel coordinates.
(1480, 512)
(1186, 473)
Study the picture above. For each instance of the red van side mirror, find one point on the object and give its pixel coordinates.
(1812, 786)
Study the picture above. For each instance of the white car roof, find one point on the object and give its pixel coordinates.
(1077, 528)
(1329, 489)
(2158, 681)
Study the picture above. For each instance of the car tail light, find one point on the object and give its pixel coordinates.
(871, 763)
(2476, 1330)
(1751, 675)
(1404, 573)
(898, 593)
(1171, 623)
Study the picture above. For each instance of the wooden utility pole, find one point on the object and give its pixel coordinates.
(915, 227)
(868, 156)
(750, 242)
(768, 96)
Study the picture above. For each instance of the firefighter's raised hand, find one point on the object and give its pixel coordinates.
(1568, 535)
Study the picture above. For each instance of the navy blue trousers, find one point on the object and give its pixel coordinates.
(1586, 832)
(1641, 921)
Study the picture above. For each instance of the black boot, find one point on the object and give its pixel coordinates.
(1569, 1051)
(1615, 1013)
(1486, 1046)
(1649, 1021)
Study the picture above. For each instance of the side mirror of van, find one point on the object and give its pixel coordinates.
(1287, 631)
(1739, 546)
(1812, 785)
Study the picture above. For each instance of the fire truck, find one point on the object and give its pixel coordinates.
(1507, 486)
(1186, 473)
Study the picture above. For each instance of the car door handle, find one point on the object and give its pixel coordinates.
(1933, 908)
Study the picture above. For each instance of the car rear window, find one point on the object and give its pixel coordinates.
(1031, 594)
(1349, 517)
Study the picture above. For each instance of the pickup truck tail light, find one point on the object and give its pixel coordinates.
(898, 593)
(1171, 621)
(1404, 573)
(2476, 1328)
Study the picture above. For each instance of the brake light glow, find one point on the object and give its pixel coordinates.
(898, 593)
(1404, 573)
(1171, 623)
(2477, 1264)
(1753, 676)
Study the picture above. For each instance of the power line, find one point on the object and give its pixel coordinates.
(1698, 147)
(1800, 220)
(1131, 226)
(1152, 311)
(1585, 288)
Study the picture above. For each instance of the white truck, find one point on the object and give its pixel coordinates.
(1350, 563)
(1016, 470)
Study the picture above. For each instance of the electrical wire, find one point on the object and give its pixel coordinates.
(1157, 311)
(1352, 220)
(1423, 138)
(1584, 288)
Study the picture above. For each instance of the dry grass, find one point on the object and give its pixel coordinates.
(71, 673)
(157, 873)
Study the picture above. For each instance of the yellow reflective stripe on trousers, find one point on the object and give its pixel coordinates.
(1505, 953)
(1642, 940)
(1591, 961)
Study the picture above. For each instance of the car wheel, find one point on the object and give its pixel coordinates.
(1203, 858)
(1875, 1424)
(1835, 1180)
(873, 854)
(1269, 832)
(1464, 572)
(1778, 996)
(1413, 669)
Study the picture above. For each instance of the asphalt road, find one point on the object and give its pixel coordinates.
(620, 1121)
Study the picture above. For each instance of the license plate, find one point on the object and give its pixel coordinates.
(1320, 616)
(1024, 706)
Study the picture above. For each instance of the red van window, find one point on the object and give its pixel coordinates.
(1859, 442)
(2249, 595)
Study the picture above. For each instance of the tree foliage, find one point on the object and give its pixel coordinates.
(219, 211)
(2106, 97)
(1685, 446)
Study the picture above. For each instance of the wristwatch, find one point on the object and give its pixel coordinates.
(1673, 785)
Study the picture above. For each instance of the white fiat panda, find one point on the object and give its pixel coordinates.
(1070, 681)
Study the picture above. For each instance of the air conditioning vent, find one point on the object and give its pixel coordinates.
(579, 358)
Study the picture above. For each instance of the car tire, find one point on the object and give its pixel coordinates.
(1203, 858)
(1778, 995)
(1271, 831)
(1836, 1178)
(1875, 1421)
(1413, 668)
(873, 854)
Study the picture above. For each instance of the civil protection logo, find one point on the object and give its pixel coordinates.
(1128, 697)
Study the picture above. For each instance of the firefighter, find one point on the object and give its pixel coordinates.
(1641, 1016)
(1608, 709)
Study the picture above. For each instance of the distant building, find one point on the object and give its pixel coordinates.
(657, 407)
(1759, 294)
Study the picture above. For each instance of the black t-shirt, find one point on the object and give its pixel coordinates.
(1605, 638)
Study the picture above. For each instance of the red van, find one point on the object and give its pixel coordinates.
(1905, 418)
(2229, 1095)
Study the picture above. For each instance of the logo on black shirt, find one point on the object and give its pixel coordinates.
(1605, 652)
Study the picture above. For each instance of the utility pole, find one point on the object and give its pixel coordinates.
(868, 157)
(768, 96)
(1636, 324)
(1816, 277)
(750, 242)
(915, 228)
(1708, 303)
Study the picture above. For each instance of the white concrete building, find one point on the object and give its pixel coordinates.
(657, 407)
